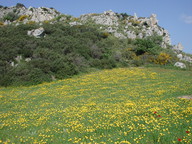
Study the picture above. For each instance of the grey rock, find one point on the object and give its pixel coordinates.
(35, 14)
(180, 56)
(180, 65)
(131, 34)
(135, 16)
(18, 58)
(149, 32)
(178, 47)
(28, 59)
(119, 35)
(111, 30)
(107, 18)
(38, 33)
(187, 59)
(7, 22)
(153, 19)
(75, 23)
(140, 35)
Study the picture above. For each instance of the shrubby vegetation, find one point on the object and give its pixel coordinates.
(66, 51)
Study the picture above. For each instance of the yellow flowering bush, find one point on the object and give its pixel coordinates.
(162, 59)
(21, 18)
(1, 23)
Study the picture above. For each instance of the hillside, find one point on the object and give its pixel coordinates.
(123, 105)
(42, 45)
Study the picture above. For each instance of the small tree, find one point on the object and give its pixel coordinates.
(19, 5)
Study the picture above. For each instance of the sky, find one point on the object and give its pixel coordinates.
(173, 15)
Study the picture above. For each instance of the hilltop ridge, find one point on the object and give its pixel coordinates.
(51, 45)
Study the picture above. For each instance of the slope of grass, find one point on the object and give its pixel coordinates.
(124, 105)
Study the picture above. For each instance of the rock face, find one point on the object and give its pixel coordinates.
(38, 33)
(180, 65)
(112, 23)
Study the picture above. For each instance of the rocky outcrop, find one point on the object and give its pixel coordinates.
(38, 33)
(113, 21)
(178, 47)
(33, 14)
(108, 18)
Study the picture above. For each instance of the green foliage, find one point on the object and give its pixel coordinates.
(67, 51)
(150, 45)
(20, 5)
(10, 16)
(64, 52)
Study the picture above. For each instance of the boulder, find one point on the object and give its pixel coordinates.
(38, 33)
(180, 56)
(180, 65)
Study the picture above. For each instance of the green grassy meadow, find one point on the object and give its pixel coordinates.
(122, 105)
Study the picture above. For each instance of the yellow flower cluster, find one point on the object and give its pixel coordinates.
(122, 106)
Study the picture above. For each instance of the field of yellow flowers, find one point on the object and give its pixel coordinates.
(124, 105)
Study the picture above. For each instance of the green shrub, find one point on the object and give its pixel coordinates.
(11, 17)
(150, 45)
(19, 5)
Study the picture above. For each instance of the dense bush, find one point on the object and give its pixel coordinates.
(11, 16)
(150, 45)
(66, 51)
